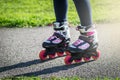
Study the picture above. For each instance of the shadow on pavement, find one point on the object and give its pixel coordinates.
(20, 65)
(23, 64)
(53, 69)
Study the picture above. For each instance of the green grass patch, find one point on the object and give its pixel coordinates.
(32, 13)
(55, 78)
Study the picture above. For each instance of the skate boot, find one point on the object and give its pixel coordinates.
(57, 43)
(85, 47)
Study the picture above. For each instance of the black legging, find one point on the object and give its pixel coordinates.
(83, 9)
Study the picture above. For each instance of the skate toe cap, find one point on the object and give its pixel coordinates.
(47, 45)
(74, 49)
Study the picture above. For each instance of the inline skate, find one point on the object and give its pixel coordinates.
(57, 43)
(85, 48)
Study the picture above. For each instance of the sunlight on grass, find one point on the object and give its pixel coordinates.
(32, 13)
(108, 11)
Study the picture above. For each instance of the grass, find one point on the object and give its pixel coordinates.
(55, 78)
(32, 13)
(20, 13)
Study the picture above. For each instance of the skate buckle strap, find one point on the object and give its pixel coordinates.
(60, 26)
(85, 30)
(81, 44)
(86, 39)
(59, 36)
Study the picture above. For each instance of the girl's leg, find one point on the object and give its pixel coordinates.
(61, 24)
(60, 8)
(87, 42)
(61, 28)
(84, 11)
(86, 45)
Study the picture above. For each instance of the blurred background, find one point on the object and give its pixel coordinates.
(34, 13)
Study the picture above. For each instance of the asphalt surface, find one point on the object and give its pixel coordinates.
(20, 47)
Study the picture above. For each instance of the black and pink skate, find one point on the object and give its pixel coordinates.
(85, 48)
(56, 45)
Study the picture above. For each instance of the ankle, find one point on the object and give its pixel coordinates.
(60, 26)
(86, 30)
(89, 32)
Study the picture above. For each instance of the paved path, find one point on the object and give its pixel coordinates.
(19, 49)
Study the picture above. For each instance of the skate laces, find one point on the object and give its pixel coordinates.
(56, 38)
(81, 44)
(52, 37)
(78, 42)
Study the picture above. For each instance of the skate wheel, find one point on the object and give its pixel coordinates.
(51, 56)
(97, 56)
(60, 54)
(42, 55)
(78, 60)
(68, 60)
(67, 53)
(86, 59)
